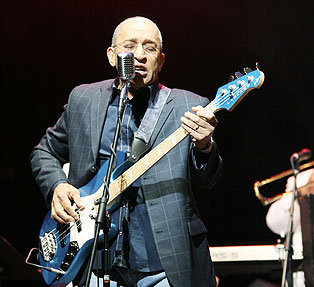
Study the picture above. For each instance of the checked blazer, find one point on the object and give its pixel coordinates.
(168, 186)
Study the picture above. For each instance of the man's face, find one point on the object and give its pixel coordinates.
(141, 38)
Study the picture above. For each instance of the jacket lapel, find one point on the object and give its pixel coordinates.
(163, 116)
(99, 106)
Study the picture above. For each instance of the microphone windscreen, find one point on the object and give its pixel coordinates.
(126, 70)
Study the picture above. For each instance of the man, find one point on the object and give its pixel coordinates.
(277, 218)
(163, 241)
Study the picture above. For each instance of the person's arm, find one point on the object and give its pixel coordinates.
(205, 166)
(205, 162)
(277, 217)
(307, 187)
(47, 159)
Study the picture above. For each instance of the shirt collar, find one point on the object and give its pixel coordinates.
(152, 88)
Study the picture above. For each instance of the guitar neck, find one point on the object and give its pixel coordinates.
(141, 166)
(227, 97)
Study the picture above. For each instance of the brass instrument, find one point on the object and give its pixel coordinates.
(267, 200)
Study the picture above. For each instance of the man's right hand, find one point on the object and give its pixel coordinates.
(61, 207)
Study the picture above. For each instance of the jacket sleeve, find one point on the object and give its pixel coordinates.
(48, 157)
(205, 168)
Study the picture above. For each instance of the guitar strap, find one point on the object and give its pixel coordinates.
(142, 136)
(155, 106)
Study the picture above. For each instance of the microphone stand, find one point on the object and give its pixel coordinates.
(287, 264)
(103, 218)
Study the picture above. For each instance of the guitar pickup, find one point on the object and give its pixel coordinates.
(78, 222)
(78, 225)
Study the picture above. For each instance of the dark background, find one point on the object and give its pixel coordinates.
(49, 47)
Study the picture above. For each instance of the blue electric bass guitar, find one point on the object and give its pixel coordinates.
(65, 247)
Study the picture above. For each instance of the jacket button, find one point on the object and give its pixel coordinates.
(93, 169)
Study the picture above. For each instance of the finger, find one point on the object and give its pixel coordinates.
(58, 219)
(58, 214)
(206, 115)
(63, 205)
(194, 133)
(63, 194)
(75, 195)
(195, 118)
(197, 108)
(200, 137)
(67, 206)
(197, 131)
(200, 108)
(190, 123)
(54, 215)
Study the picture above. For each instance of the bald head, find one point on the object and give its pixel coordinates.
(135, 19)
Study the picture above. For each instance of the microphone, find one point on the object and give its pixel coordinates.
(302, 155)
(126, 70)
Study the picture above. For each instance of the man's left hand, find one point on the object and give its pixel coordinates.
(200, 125)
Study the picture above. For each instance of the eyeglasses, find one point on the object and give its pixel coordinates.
(149, 48)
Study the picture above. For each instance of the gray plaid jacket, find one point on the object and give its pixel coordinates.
(179, 233)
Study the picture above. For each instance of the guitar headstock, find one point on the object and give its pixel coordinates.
(230, 95)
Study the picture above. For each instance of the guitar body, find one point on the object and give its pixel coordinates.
(66, 247)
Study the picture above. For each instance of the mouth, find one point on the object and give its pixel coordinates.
(141, 70)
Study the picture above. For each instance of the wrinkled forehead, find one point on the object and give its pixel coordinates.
(137, 30)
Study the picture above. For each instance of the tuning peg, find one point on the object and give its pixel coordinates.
(258, 66)
(231, 78)
(247, 70)
(238, 74)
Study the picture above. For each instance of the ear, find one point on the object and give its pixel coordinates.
(111, 55)
(161, 61)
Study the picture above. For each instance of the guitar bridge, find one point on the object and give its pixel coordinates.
(48, 246)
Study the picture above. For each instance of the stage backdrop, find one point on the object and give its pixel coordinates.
(49, 47)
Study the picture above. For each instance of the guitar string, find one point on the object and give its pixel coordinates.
(78, 222)
(84, 214)
(65, 228)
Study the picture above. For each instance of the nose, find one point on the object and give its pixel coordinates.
(139, 53)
